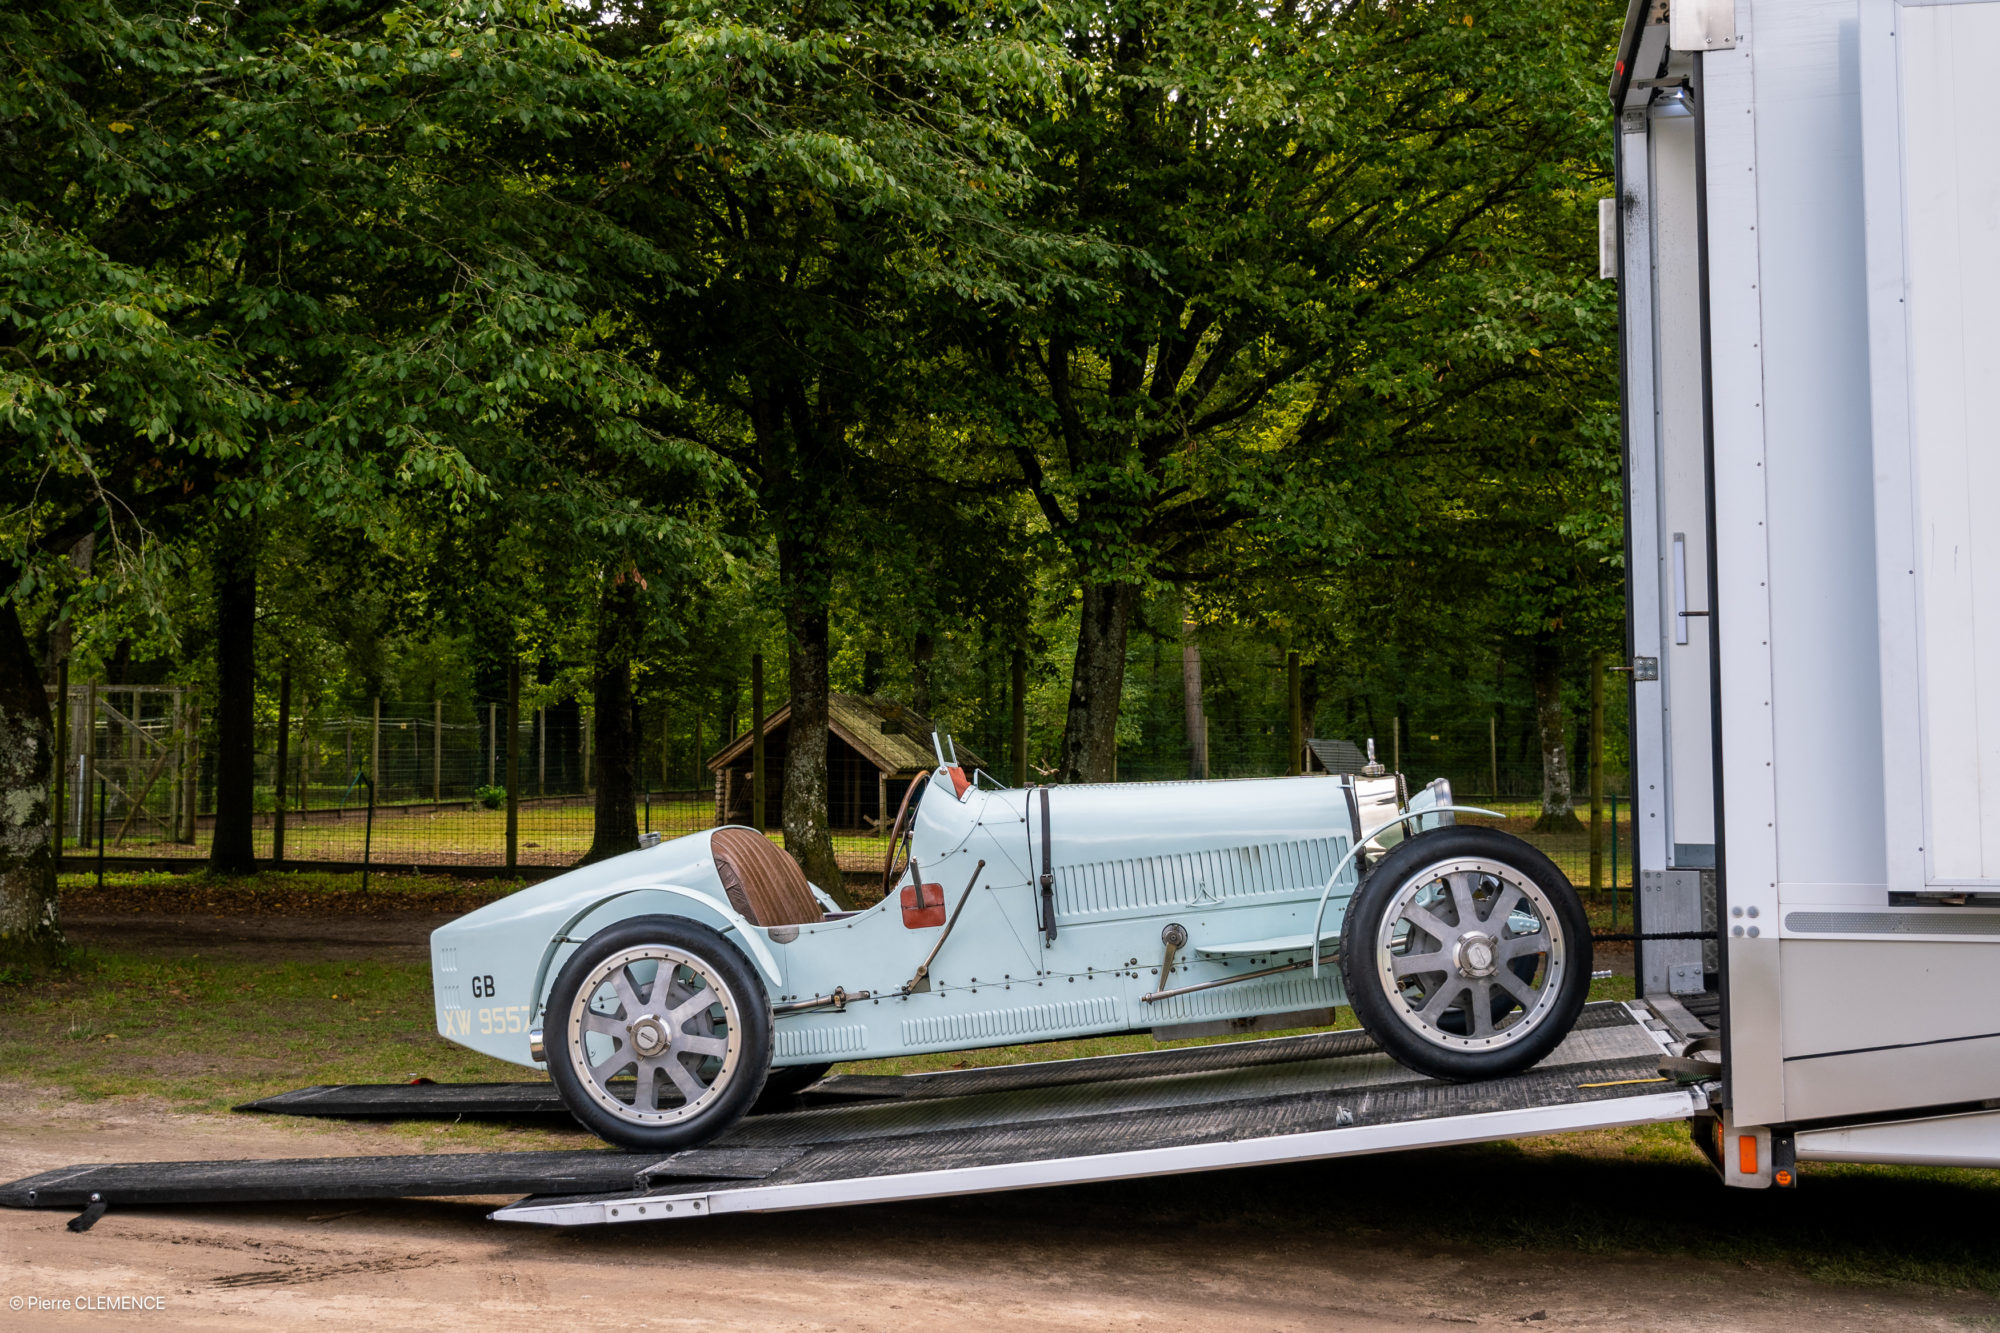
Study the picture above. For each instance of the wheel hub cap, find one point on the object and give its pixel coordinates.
(1477, 954)
(648, 1037)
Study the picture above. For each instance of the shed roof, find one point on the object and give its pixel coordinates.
(1337, 756)
(892, 736)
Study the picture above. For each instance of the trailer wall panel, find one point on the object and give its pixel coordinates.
(1933, 216)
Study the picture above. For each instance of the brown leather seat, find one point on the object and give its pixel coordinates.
(763, 882)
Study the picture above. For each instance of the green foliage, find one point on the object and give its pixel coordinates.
(838, 326)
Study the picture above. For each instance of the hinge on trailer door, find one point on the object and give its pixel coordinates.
(1647, 668)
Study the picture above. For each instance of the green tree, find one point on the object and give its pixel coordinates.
(268, 255)
(834, 166)
(1297, 191)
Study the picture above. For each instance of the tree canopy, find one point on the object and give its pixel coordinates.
(922, 346)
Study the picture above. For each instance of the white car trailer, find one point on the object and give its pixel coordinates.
(1806, 236)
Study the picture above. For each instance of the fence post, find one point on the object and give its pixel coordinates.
(100, 834)
(513, 760)
(191, 757)
(437, 752)
(368, 831)
(1493, 749)
(1614, 862)
(1396, 743)
(1295, 720)
(284, 753)
(541, 752)
(492, 739)
(1597, 770)
(88, 741)
(57, 809)
(375, 748)
(757, 741)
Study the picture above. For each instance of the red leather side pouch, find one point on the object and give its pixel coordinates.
(923, 905)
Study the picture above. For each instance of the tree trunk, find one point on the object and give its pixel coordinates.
(1558, 802)
(29, 932)
(801, 491)
(232, 852)
(808, 835)
(1194, 711)
(617, 735)
(1096, 683)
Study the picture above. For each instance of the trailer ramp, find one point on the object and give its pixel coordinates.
(864, 1139)
(1158, 1113)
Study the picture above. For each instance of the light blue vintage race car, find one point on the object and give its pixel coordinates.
(668, 989)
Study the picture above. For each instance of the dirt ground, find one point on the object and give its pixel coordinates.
(1152, 1255)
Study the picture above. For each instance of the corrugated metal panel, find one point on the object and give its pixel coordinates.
(1066, 1015)
(792, 1041)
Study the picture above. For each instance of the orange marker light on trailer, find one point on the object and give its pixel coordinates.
(1746, 1154)
(1783, 1178)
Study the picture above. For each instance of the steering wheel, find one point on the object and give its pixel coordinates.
(901, 831)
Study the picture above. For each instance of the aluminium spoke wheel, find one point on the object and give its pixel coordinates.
(664, 1035)
(651, 1029)
(1466, 953)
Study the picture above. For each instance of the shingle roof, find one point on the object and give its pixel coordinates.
(893, 737)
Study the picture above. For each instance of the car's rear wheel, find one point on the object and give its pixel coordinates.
(1466, 954)
(660, 1033)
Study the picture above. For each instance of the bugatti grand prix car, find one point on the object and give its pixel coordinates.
(667, 989)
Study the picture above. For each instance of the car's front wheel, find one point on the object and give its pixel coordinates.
(660, 1033)
(1466, 954)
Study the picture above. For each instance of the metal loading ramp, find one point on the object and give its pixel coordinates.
(865, 1139)
(1117, 1117)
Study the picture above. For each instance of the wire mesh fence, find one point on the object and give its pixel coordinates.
(424, 783)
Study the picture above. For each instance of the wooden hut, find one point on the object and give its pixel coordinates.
(875, 748)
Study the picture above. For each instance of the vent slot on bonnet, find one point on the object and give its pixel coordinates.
(1191, 879)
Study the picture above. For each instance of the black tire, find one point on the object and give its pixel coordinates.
(786, 1082)
(1449, 1042)
(710, 960)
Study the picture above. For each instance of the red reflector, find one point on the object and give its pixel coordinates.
(923, 905)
